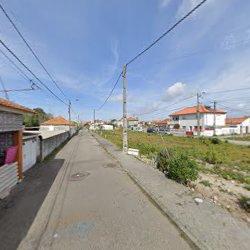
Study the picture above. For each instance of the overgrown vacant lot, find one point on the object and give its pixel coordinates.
(227, 160)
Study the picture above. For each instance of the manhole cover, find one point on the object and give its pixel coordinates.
(78, 176)
(110, 165)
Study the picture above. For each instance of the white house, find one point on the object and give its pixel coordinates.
(242, 124)
(186, 118)
(58, 124)
(132, 122)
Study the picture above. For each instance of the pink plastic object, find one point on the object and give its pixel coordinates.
(11, 154)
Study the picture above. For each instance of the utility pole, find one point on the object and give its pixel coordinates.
(69, 111)
(94, 115)
(125, 121)
(198, 115)
(215, 118)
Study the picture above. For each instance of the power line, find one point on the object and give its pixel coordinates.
(19, 70)
(171, 104)
(229, 90)
(31, 72)
(111, 92)
(168, 31)
(32, 51)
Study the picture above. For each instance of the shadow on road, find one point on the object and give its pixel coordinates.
(19, 209)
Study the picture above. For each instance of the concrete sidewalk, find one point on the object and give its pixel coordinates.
(208, 226)
(94, 204)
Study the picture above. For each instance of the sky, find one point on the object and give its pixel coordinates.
(85, 43)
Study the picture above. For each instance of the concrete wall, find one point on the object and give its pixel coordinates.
(51, 143)
(10, 121)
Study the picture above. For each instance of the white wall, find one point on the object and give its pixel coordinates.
(54, 128)
(220, 119)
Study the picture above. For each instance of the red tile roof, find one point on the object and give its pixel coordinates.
(58, 121)
(193, 110)
(11, 105)
(132, 119)
(235, 121)
(166, 121)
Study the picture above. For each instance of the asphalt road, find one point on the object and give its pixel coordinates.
(98, 206)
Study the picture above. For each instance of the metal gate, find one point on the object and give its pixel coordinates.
(29, 153)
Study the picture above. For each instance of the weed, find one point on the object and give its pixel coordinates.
(245, 203)
(213, 157)
(247, 187)
(206, 183)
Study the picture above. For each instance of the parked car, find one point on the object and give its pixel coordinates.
(151, 130)
(164, 132)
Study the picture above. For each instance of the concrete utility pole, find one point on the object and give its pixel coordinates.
(198, 115)
(215, 118)
(125, 121)
(69, 111)
(94, 115)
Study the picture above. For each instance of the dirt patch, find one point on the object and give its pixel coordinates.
(225, 193)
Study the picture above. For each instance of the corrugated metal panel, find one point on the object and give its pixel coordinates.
(8, 178)
(10, 121)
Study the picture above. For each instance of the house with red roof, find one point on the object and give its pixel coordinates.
(186, 118)
(57, 124)
(241, 123)
(163, 124)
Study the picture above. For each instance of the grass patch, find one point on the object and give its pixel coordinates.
(226, 156)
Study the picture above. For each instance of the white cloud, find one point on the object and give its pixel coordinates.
(187, 5)
(174, 91)
(116, 98)
(164, 3)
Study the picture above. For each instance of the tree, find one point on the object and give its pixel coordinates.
(35, 120)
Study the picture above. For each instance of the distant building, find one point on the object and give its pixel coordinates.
(56, 124)
(132, 122)
(186, 118)
(163, 124)
(241, 123)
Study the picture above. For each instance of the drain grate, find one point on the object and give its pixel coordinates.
(78, 176)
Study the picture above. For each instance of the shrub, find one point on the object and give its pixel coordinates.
(177, 165)
(215, 140)
(182, 169)
(245, 203)
(163, 160)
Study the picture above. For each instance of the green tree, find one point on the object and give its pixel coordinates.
(35, 120)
